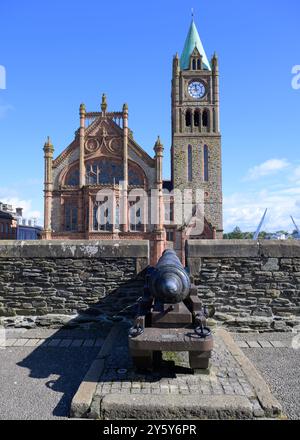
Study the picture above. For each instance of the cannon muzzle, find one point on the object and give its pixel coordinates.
(169, 281)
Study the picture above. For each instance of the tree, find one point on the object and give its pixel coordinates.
(236, 234)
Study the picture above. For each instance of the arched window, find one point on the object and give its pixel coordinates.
(197, 118)
(188, 118)
(198, 65)
(190, 163)
(73, 177)
(107, 172)
(205, 163)
(194, 64)
(205, 119)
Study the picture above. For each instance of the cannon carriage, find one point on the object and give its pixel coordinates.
(170, 317)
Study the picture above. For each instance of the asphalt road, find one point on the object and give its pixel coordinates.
(281, 370)
(279, 367)
(40, 383)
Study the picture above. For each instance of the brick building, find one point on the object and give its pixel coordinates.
(105, 156)
(13, 226)
(8, 223)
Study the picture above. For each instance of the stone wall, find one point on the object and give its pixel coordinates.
(56, 277)
(250, 284)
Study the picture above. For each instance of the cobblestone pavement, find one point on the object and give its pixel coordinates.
(41, 370)
(226, 378)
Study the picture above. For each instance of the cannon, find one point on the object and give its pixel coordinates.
(170, 317)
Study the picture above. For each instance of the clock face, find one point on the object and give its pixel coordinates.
(196, 89)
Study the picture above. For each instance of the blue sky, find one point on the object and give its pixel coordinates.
(58, 54)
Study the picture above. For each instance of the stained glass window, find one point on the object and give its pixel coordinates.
(105, 172)
(73, 178)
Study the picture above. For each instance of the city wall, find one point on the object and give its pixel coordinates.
(69, 277)
(251, 285)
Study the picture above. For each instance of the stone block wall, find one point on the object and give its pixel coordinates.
(56, 277)
(250, 284)
(213, 188)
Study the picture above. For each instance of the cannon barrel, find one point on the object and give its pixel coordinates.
(169, 281)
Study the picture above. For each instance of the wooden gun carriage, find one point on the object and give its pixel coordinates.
(170, 317)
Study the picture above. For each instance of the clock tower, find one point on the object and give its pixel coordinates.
(196, 138)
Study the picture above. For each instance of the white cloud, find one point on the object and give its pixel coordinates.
(267, 168)
(246, 209)
(28, 211)
(295, 176)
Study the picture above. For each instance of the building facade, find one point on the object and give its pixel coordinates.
(13, 226)
(104, 162)
(28, 230)
(8, 230)
(8, 222)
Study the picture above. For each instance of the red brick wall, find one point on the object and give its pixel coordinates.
(7, 232)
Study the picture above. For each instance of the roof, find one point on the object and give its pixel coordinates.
(193, 40)
(6, 215)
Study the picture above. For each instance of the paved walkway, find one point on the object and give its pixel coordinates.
(277, 357)
(263, 343)
(233, 389)
(52, 342)
(41, 370)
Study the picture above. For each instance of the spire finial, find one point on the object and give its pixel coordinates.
(48, 147)
(104, 103)
(192, 14)
(48, 142)
(158, 142)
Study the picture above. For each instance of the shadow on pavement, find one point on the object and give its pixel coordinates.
(65, 367)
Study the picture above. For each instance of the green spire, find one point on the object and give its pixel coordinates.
(192, 41)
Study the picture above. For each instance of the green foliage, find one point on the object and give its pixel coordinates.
(238, 234)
